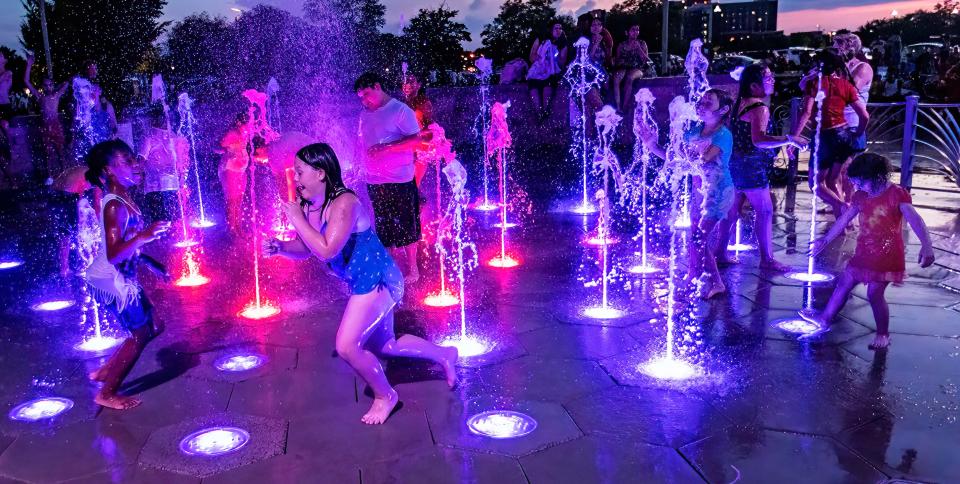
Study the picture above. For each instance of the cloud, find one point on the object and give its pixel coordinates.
(476, 5)
(587, 7)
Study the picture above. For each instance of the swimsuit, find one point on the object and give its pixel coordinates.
(748, 163)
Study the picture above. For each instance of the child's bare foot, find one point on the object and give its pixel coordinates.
(381, 409)
(449, 363)
(97, 375)
(880, 342)
(817, 318)
(774, 265)
(413, 276)
(116, 402)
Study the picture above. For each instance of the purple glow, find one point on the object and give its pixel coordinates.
(501, 424)
(203, 224)
(797, 326)
(186, 243)
(510, 225)
(601, 312)
(740, 247)
(214, 441)
(10, 264)
(669, 369)
(469, 346)
(584, 209)
(40, 409)
(243, 362)
(809, 276)
(96, 344)
(57, 305)
(643, 269)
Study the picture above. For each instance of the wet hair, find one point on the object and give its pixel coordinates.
(870, 167)
(752, 74)
(724, 99)
(367, 79)
(99, 157)
(320, 156)
(831, 62)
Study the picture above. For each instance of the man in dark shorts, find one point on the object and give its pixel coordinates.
(389, 135)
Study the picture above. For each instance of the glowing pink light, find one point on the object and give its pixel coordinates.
(97, 344)
(441, 299)
(53, 305)
(10, 264)
(192, 280)
(669, 369)
(485, 207)
(599, 241)
(214, 441)
(469, 346)
(501, 424)
(503, 262)
(257, 312)
(191, 276)
(509, 225)
(809, 276)
(40, 409)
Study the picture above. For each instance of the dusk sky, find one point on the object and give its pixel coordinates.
(794, 16)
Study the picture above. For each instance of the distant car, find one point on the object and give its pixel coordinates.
(915, 49)
(726, 64)
(674, 66)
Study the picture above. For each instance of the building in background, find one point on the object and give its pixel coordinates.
(730, 23)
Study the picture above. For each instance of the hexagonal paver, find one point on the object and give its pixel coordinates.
(78, 392)
(74, 450)
(914, 294)
(162, 449)
(792, 297)
(293, 394)
(525, 318)
(569, 341)
(538, 378)
(655, 416)
(449, 426)
(907, 319)
(172, 401)
(921, 354)
(442, 466)
(754, 455)
(593, 459)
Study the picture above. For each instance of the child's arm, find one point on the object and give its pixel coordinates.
(291, 249)
(818, 245)
(156, 266)
(806, 110)
(920, 228)
(649, 139)
(114, 219)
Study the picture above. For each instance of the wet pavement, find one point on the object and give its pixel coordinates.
(766, 408)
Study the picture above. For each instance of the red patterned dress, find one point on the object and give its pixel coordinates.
(880, 252)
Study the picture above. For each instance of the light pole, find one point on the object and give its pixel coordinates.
(664, 42)
(46, 40)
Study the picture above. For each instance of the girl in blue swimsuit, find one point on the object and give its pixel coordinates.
(333, 226)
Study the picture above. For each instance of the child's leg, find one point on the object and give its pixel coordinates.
(411, 346)
(118, 366)
(839, 297)
(881, 313)
(707, 247)
(723, 228)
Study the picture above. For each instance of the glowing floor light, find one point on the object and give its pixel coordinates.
(263, 311)
(740, 247)
(242, 362)
(600, 312)
(186, 243)
(501, 424)
(192, 280)
(9, 264)
(510, 225)
(669, 369)
(584, 209)
(96, 344)
(601, 241)
(809, 276)
(441, 299)
(40, 409)
(485, 207)
(503, 262)
(202, 224)
(796, 325)
(643, 269)
(57, 305)
(214, 441)
(469, 346)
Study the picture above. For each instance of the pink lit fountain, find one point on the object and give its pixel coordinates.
(499, 142)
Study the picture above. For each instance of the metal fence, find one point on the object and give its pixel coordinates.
(915, 136)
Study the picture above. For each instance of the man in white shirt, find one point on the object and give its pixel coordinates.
(389, 135)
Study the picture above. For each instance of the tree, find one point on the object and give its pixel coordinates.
(199, 47)
(511, 33)
(434, 41)
(919, 26)
(117, 35)
(352, 25)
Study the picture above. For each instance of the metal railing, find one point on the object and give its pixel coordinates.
(912, 134)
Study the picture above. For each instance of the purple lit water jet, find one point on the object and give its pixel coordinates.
(583, 76)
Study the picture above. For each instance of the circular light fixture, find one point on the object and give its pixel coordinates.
(603, 313)
(441, 299)
(263, 311)
(40, 409)
(240, 362)
(96, 344)
(809, 276)
(501, 424)
(56, 305)
(214, 441)
(796, 326)
(669, 369)
(468, 346)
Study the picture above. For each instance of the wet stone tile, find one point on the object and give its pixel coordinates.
(443, 465)
(568, 341)
(552, 379)
(592, 459)
(293, 394)
(756, 455)
(170, 401)
(914, 294)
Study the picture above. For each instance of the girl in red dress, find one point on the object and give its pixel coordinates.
(880, 253)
